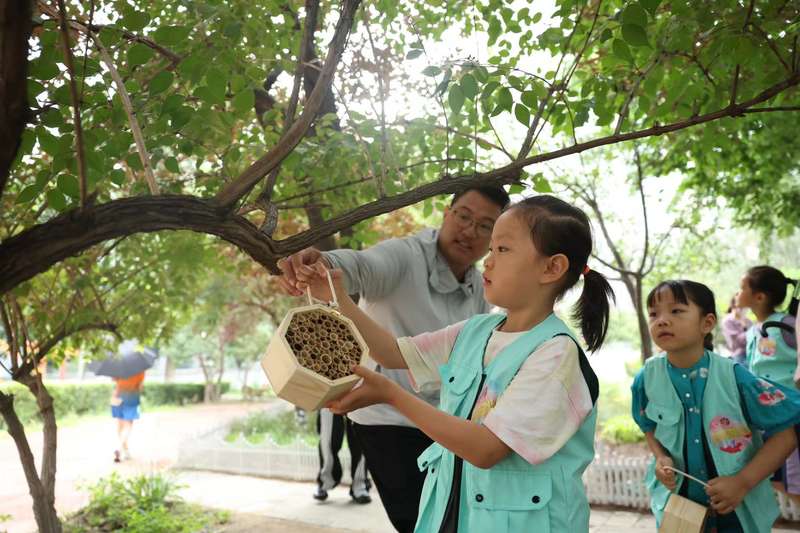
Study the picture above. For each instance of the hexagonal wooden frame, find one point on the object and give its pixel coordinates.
(297, 384)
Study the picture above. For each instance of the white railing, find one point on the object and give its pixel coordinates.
(609, 479)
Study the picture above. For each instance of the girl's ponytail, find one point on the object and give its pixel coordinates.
(592, 310)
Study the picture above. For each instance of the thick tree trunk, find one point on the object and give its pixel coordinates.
(15, 30)
(42, 490)
(641, 317)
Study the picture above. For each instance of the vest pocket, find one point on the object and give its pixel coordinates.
(456, 382)
(508, 500)
(667, 418)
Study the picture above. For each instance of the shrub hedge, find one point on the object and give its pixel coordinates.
(93, 398)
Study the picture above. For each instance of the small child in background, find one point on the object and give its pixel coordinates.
(734, 328)
(763, 289)
(703, 414)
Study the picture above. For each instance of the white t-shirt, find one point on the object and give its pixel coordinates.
(540, 410)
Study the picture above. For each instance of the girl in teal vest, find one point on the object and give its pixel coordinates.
(774, 356)
(704, 414)
(515, 427)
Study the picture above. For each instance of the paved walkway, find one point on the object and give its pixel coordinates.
(85, 454)
(256, 504)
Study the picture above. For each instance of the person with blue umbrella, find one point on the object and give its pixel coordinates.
(127, 370)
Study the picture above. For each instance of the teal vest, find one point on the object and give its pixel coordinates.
(770, 357)
(513, 495)
(730, 440)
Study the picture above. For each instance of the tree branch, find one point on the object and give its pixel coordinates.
(623, 111)
(127, 105)
(640, 186)
(15, 30)
(76, 104)
(35, 250)
(239, 187)
(736, 72)
(304, 54)
(772, 109)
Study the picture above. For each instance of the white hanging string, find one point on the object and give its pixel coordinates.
(312, 300)
(686, 475)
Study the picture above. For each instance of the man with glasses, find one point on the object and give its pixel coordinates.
(411, 285)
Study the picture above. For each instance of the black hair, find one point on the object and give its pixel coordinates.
(496, 194)
(772, 282)
(686, 291)
(560, 228)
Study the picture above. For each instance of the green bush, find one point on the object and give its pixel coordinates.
(139, 504)
(621, 429)
(283, 428)
(94, 398)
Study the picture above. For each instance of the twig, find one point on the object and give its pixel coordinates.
(382, 91)
(735, 87)
(623, 112)
(76, 105)
(144, 157)
(233, 191)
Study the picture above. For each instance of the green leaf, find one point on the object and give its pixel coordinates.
(28, 193)
(488, 89)
(431, 70)
(170, 35)
(117, 177)
(743, 50)
(469, 86)
(621, 50)
(650, 5)
(540, 184)
(522, 114)
(413, 54)
(161, 82)
(47, 142)
(536, 18)
(52, 118)
(68, 185)
(635, 14)
(529, 99)
(634, 35)
(56, 200)
(442, 87)
(139, 54)
(504, 99)
(516, 188)
(244, 101)
(171, 164)
(44, 68)
(455, 99)
(135, 20)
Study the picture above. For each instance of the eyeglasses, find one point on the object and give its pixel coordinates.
(464, 219)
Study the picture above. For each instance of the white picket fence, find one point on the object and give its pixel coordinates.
(609, 479)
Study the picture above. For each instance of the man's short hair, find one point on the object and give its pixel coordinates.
(495, 193)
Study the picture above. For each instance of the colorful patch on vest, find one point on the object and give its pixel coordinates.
(770, 394)
(731, 436)
(767, 346)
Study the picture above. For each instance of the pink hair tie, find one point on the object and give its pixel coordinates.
(585, 270)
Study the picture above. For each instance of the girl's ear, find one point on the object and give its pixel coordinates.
(555, 268)
(708, 323)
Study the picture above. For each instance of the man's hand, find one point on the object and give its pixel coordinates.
(374, 388)
(663, 474)
(290, 266)
(726, 493)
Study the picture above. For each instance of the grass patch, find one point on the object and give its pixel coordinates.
(283, 428)
(140, 504)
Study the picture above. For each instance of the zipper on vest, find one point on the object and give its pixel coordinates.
(450, 518)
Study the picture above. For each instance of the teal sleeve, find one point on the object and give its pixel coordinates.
(767, 405)
(639, 404)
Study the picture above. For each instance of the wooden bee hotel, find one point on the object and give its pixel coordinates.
(309, 357)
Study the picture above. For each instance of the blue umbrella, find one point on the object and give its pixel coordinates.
(131, 359)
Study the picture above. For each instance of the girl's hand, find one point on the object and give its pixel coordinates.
(663, 474)
(726, 493)
(373, 389)
(315, 277)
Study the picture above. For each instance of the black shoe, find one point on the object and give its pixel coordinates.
(321, 494)
(361, 499)
(116, 456)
